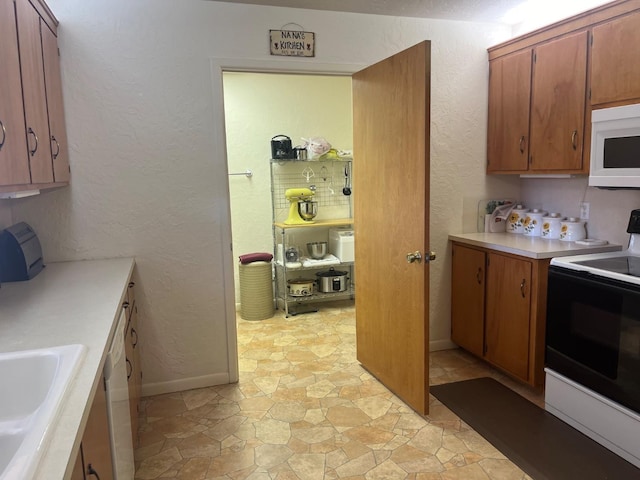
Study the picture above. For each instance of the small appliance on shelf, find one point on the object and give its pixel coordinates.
(301, 209)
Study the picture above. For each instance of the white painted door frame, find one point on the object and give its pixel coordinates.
(218, 66)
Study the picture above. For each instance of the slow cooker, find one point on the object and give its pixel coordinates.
(332, 280)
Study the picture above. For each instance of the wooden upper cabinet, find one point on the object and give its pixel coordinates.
(14, 162)
(558, 104)
(509, 97)
(34, 93)
(615, 61)
(53, 82)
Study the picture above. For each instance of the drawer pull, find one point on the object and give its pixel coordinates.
(522, 288)
(574, 138)
(129, 369)
(522, 144)
(134, 337)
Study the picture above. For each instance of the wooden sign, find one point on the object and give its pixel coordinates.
(292, 43)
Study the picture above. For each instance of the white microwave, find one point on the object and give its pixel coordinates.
(615, 147)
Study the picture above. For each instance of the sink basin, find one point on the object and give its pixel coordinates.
(34, 383)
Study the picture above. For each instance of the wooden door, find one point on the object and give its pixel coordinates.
(508, 297)
(558, 104)
(467, 298)
(14, 163)
(615, 61)
(35, 102)
(509, 99)
(391, 215)
(53, 81)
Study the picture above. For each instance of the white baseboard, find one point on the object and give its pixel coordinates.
(437, 345)
(149, 389)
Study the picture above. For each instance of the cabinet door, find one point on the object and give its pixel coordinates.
(509, 97)
(14, 161)
(78, 467)
(53, 82)
(508, 297)
(558, 104)
(615, 61)
(467, 298)
(96, 446)
(34, 93)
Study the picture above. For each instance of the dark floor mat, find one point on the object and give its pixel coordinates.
(542, 445)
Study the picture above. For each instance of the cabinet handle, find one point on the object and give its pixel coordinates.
(574, 137)
(522, 290)
(53, 139)
(131, 284)
(4, 134)
(479, 276)
(522, 144)
(129, 369)
(91, 471)
(134, 337)
(35, 149)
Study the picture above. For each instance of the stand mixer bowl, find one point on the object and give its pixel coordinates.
(308, 210)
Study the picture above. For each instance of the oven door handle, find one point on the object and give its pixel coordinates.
(590, 278)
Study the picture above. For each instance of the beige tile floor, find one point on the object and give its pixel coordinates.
(304, 409)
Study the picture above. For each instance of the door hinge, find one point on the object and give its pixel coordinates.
(535, 57)
(592, 39)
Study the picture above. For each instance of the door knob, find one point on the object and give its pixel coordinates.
(414, 257)
(430, 256)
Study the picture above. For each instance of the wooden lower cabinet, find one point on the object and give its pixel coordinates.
(134, 372)
(498, 309)
(94, 457)
(467, 299)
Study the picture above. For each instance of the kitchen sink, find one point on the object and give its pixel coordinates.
(34, 383)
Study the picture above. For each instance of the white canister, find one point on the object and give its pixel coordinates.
(533, 222)
(572, 229)
(551, 225)
(515, 222)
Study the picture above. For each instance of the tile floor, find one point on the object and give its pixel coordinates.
(304, 409)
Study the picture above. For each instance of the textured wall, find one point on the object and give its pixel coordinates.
(609, 209)
(148, 164)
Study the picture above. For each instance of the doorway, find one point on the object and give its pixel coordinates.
(259, 106)
(404, 84)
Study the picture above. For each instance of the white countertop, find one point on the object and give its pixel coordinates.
(527, 246)
(67, 303)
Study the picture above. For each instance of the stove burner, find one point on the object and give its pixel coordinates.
(627, 265)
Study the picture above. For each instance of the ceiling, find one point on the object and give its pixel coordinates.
(510, 12)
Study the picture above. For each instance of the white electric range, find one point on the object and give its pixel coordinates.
(593, 344)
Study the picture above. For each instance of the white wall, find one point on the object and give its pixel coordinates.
(609, 209)
(149, 175)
